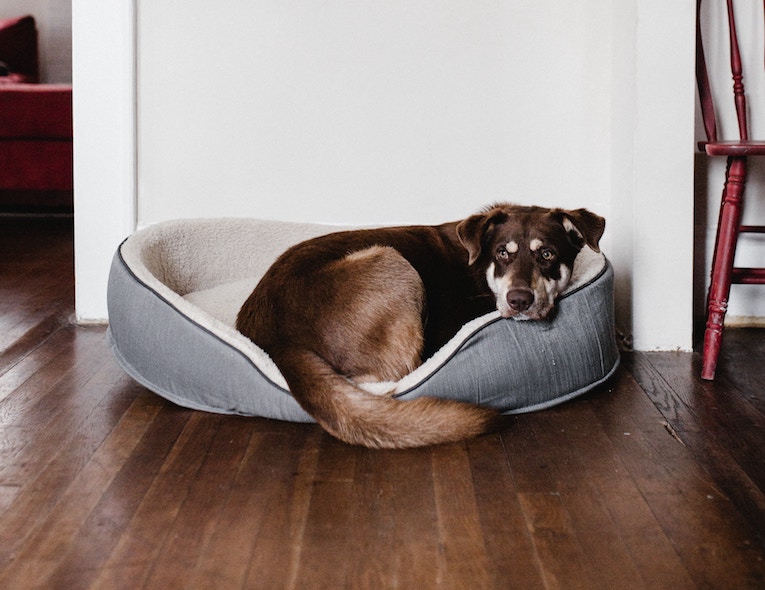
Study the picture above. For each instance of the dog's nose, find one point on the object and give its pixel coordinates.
(520, 299)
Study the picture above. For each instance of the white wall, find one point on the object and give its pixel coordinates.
(422, 111)
(371, 112)
(747, 302)
(54, 26)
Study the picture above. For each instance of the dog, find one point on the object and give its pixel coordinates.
(370, 305)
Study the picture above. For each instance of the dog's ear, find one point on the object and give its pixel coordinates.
(583, 227)
(472, 232)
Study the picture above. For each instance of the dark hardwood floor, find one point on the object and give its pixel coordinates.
(653, 481)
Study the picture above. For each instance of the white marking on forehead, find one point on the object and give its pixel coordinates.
(535, 244)
(512, 247)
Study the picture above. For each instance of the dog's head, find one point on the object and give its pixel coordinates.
(528, 253)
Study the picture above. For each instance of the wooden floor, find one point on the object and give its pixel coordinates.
(653, 481)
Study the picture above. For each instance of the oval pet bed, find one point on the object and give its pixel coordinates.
(175, 289)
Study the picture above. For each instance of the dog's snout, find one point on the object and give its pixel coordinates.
(520, 299)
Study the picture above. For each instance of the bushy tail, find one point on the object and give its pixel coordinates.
(376, 421)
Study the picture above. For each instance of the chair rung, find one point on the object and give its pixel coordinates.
(755, 229)
(748, 276)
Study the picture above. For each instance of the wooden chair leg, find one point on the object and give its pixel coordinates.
(722, 263)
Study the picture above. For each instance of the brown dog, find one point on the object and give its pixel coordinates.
(370, 305)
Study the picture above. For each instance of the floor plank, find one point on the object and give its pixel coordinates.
(716, 421)
(501, 516)
(463, 552)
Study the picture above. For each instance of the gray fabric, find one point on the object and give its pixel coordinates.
(513, 366)
(525, 366)
(182, 361)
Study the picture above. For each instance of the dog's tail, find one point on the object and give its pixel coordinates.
(379, 421)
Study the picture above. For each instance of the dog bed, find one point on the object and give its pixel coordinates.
(175, 289)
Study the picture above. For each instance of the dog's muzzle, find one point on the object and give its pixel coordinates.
(526, 302)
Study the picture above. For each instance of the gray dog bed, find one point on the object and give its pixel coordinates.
(175, 289)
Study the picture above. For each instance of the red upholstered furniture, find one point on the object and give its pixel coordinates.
(35, 126)
(737, 151)
(18, 50)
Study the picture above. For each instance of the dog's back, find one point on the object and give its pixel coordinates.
(349, 308)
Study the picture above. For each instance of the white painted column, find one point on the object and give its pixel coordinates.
(103, 60)
(663, 191)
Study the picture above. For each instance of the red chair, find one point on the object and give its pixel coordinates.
(724, 272)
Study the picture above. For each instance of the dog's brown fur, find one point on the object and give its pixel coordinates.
(370, 305)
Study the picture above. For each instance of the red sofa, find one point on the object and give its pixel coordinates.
(35, 126)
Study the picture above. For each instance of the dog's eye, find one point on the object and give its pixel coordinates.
(502, 253)
(547, 254)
